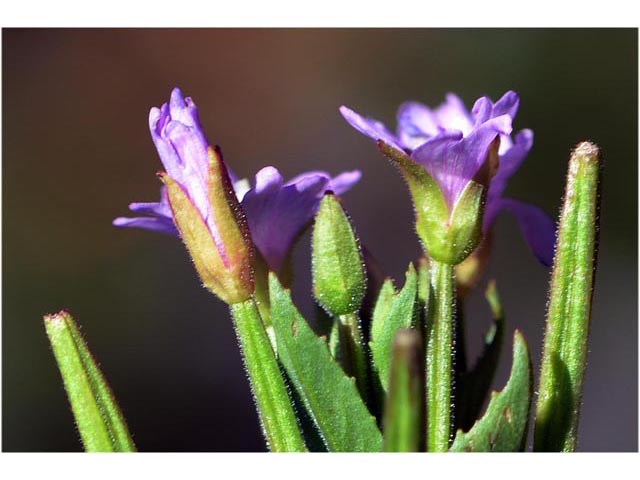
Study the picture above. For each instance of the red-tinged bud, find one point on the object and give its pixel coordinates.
(220, 246)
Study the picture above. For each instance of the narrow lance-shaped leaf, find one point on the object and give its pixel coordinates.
(339, 284)
(571, 290)
(392, 312)
(330, 397)
(382, 307)
(473, 386)
(503, 428)
(404, 409)
(277, 418)
(424, 284)
(98, 417)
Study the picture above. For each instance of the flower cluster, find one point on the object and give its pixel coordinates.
(223, 221)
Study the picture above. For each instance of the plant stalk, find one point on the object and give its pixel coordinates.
(277, 418)
(439, 357)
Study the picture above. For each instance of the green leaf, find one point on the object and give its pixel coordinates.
(473, 386)
(277, 417)
(330, 397)
(404, 409)
(503, 428)
(569, 308)
(382, 307)
(392, 312)
(339, 281)
(98, 417)
(424, 282)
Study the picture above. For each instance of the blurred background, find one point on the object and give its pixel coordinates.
(77, 151)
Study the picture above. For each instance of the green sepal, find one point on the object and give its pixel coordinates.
(472, 387)
(448, 237)
(339, 284)
(225, 265)
(98, 417)
(503, 427)
(330, 397)
(339, 280)
(569, 308)
(392, 312)
(404, 408)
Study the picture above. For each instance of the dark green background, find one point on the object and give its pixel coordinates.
(76, 151)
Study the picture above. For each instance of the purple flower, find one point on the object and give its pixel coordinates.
(276, 212)
(452, 145)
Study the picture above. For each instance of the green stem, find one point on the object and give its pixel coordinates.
(439, 352)
(277, 417)
(261, 297)
(565, 345)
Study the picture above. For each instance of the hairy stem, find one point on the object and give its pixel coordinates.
(439, 353)
(278, 420)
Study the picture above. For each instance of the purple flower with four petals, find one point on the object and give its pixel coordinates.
(452, 146)
(276, 212)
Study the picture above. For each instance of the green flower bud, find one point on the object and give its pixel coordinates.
(339, 280)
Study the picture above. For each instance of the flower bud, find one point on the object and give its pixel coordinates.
(339, 279)
(221, 247)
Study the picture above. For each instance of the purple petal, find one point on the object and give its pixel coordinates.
(438, 157)
(158, 216)
(453, 115)
(277, 213)
(507, 105)
(182, 146)
(268, 181)
(537, 227)
(482, 110)
(338, 185)
(370, 127)
(453, 161)
(510, 161)
(343, 182)
(416, 123)
(158, 119)
(241, 187)
(156, 224)
(195, 163)
(305, 175)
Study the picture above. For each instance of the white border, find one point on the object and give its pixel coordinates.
(320, 466)
(326, 13)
